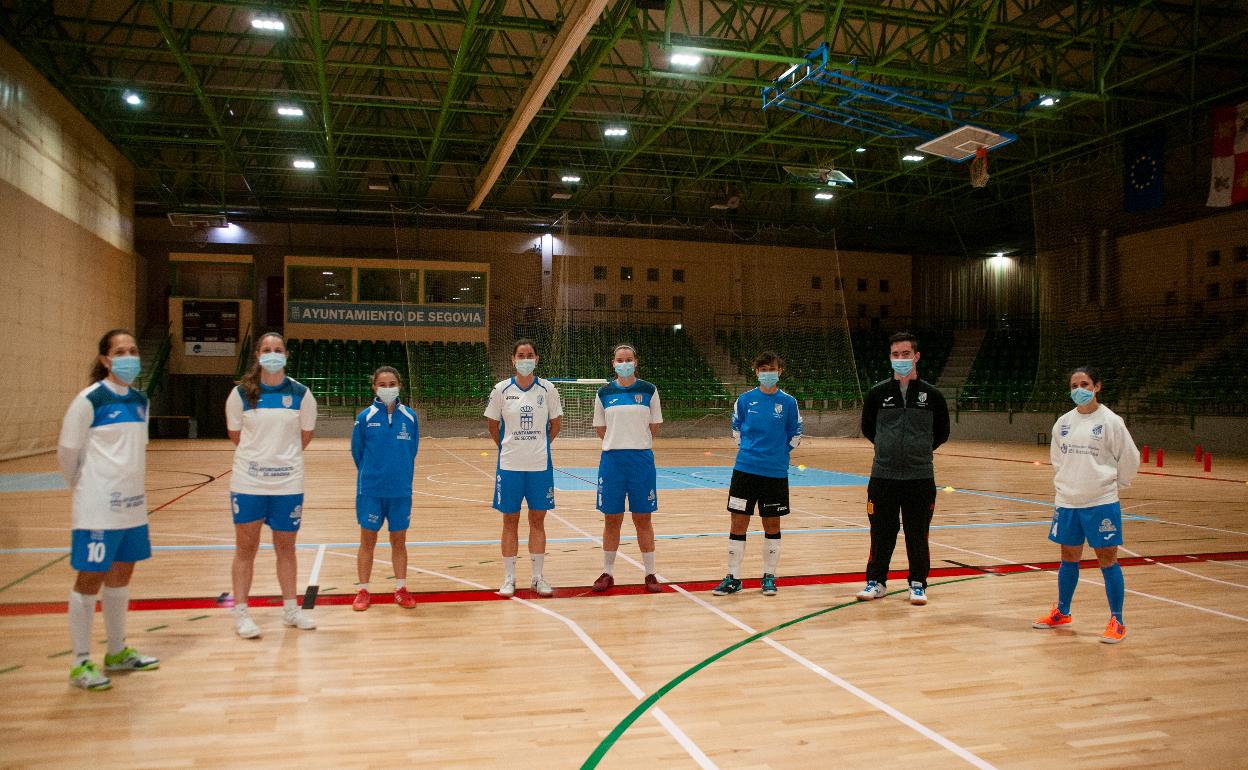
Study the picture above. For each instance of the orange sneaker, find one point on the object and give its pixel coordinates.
(1053, 619)
(1114, 631)
(362, 600)
(404, 599)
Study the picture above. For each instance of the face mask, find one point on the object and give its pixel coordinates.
(388, 395)
(768, 379)
(525, 366)
(1081, 396)
(625, 369)
(125, 368)
(273, 362)
(902, 366)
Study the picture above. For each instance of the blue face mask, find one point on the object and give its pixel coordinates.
(273, 362)
(525, 366)
(902, 366)
(625, 369)
(125, 368)
(1081, 396)
(768, 379)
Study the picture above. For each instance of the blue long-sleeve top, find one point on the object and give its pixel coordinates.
(767, 428)
(384, 446)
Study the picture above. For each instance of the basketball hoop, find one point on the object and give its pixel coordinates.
(979, 167)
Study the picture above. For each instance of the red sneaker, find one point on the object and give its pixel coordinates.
(362, 600)
(653, 585)
(1053, 619)
(404, 599)
(1114, 632)
(603, 582)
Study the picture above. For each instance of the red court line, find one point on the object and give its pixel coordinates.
(195, 488)
(579, 592)
(1141, 472)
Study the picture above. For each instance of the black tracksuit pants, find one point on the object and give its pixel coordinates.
(892, 505)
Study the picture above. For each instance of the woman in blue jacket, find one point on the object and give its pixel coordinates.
(384, 442)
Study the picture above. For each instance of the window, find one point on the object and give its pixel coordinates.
(652, 274)
(388, 285)
(862, 284)
(600, 272)
(1213, 258)
(600, 300)
(626, 273)
(678, 275)
(208, 279)
(626, 301)
(652, 302)
(454, 287)
(816, 282)
(883, 286)
(327, 283)
(883, 311)
(678, 303)
(1213, 291)
(1241, 253)
(862, 311)
(1241, 287)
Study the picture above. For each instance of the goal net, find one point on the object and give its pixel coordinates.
(577, 398)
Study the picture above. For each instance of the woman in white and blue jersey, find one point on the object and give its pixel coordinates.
(1093, 457)
(270, 418)
(524, 415)
(102, 452)
(627, 417)
(767, 427)
(384, 442)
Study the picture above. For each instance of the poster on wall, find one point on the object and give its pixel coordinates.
(459, 316)
(210, 328)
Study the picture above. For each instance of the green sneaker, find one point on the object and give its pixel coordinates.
(129, 659)
(88, 677)
(729, 585)
(769, 585)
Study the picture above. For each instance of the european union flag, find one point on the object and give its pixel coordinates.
(1144, 156)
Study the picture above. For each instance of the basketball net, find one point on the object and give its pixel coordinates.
(979, 167)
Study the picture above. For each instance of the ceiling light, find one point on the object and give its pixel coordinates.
(860, 149)
(615, 131)
(685, 60)
(327, 272)
(290, 112)
(561, 196)
(1047, 101)
(377, 184)
(268, 23)
(571, 178)
(912, 158)
(824, 196)
(304, 163)
(132, 99)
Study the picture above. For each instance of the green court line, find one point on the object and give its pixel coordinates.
(60, 654)
(10, 668)
(34, 572)
(197, 617)
(156, 628)
(645, 705)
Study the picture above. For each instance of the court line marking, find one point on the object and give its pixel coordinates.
(1197, 526)
(663, 719)
(35, 571)
(1185, 572)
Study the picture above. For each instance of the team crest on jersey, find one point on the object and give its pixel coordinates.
(1098, 431)
(403, 434)
(779, 408)
(1108, 526)
(526, 417)
(541, 400)
(114, 501)
(922, 398)
(1065, 429)
(253, 469)
(287, 401)
(637, 398)
(1064, 450)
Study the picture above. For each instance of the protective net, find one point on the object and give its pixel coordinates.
(577, 399)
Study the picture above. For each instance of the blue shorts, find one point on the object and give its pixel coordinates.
(1100, 525)
(537, 488)
(631, 473)
(372, 511)
(95, 550)
(283, 513)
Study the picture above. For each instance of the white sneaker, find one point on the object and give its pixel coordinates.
(299, 619)
(918, 595)
(873, 591)
(245, 626)
(541, 587)
(509, 587)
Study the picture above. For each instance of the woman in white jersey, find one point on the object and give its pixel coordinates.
(626, 417)
(270, 419)
(101, 451)
(524, 415)
(1093, 457)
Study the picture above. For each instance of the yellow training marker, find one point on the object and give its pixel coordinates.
(948, 489)
(801, 467)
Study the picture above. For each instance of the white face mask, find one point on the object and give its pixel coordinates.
(525, 366)
(388, 395)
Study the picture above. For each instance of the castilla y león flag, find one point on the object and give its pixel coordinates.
(1229, 183)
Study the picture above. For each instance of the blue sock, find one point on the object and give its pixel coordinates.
(1114, 590)
(1067, 579)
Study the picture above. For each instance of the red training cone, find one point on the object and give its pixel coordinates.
(1144, 455)
(1199, 452)
(1208, 462)
(1161, 458)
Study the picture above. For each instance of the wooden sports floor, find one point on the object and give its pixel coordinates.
(806, 679)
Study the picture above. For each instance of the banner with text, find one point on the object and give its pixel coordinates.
(466, 316)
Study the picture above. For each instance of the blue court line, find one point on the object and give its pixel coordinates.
(31, 482)
(675, 477)
(680, 536)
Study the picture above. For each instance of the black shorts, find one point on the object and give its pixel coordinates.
(748, 490)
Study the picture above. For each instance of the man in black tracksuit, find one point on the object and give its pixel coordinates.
(906, 418)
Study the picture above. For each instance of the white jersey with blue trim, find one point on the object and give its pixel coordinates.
(1093, 456)
(627, 414)
(524, 415)
(269, 457)
(102, 447)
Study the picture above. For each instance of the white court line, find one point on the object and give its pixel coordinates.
(1196, 526)
(1225, 563)
(315, 574)
(1185, 572)
(1176, 601)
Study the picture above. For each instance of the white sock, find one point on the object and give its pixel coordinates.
(81, 613)
(509, 567)
(736, 555)
(538, 559)
(648, 560)
(289, 605)
(771, 555)
(240, 609)
(608, 562)
(363, 586)
(114, 602)
(400, 583)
